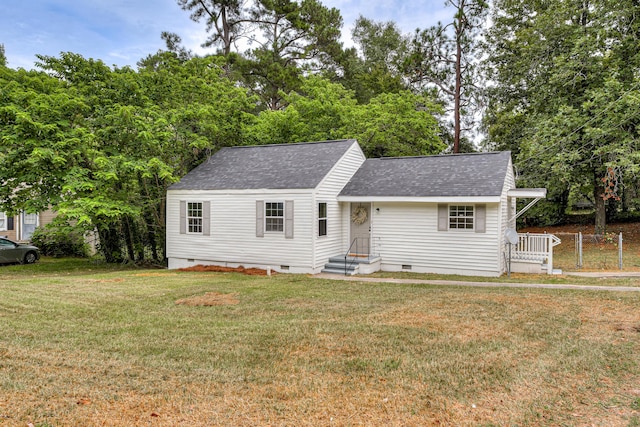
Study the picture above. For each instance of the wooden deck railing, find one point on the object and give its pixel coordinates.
(535, 247)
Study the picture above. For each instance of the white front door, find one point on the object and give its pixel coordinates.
(360, 229)
(29, 224)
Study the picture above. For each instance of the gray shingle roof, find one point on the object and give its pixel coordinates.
(477, 174)
(283, 166)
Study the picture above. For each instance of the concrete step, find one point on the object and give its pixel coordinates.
(354, 260)
(350, 272)
(340, 265)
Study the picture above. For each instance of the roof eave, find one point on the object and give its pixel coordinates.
(528, 193)
(430, 199)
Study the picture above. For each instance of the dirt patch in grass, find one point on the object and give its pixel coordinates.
(209, 299)
(116, 280)
(152, 274)
(220, 269)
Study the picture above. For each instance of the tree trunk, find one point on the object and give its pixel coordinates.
(128, 239)
(601, 210)
(458, 89)
(110, 243)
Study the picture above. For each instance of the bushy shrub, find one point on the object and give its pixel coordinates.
(60, 240)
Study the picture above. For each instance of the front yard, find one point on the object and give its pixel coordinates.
(87, 345)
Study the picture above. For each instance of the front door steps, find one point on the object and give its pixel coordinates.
(354, 265)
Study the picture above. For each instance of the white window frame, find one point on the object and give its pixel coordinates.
(323, 219)
(461, 217)
(270, 219)
(195, 221)
(3, 221)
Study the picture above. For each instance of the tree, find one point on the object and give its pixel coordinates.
(225, 19)
(446, 55)
(3, 56)
(374, 67)
(565, 98)
(398, 124)
(294, 35)
(101, 146)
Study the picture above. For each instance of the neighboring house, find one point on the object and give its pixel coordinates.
(302, 207)
(20, 227)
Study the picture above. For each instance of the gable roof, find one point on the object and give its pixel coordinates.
(282, 166)
(454, 175)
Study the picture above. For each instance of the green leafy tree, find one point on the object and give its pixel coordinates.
(398, 124)
(101, 146)
(3, 56)
(374, 66)
(295, 36)
(566, 94)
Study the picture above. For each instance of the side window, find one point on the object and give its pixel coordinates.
(274, 217)
(322, 219)
(194, 217)
(461, 217)
(3, 221)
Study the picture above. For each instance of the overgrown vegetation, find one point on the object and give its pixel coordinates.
(60, 240)
(96, 346)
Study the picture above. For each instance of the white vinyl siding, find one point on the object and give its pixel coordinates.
(507, 210)
(237, 240)
(408, 235)
(337, 235)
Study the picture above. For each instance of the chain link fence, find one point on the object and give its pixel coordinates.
(589, 251)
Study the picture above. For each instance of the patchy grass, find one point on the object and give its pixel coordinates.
(113, 348)
(597, 254)
(559, 279)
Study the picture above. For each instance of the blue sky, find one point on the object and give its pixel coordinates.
(121, 32)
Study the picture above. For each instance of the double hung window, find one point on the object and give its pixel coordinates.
(461, 217)
(274, 217)
(194, 217)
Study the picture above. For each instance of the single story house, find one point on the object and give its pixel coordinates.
(308, 207)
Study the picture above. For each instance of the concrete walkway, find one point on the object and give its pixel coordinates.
(482, 284)
(617, 274)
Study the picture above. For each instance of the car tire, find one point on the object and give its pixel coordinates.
(30, 257)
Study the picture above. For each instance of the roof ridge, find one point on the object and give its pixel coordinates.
(442, 155)
(288, 144)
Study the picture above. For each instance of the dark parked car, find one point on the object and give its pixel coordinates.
(12, 252)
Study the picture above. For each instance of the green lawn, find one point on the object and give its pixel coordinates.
(88, 344)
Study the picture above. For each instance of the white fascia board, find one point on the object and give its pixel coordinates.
(441, 199)
(528, 193)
